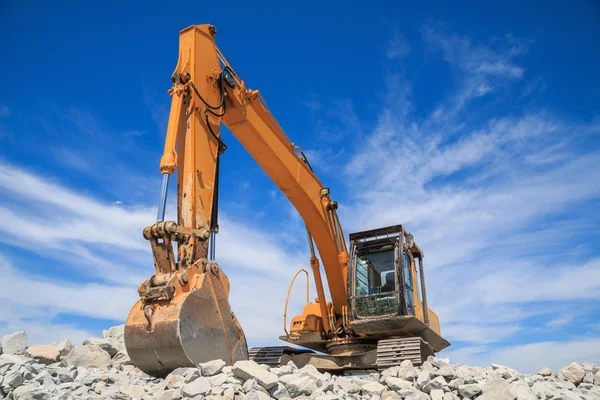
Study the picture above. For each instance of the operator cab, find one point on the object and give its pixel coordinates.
(383, 274)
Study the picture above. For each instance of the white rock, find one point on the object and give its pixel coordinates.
(597, 378)
(543, 390)
(200, 386)
(304, 385)
(44, 354)
(427, 366)
(212, 367)
(251, 370)
(15, 343)
(470, 391)
(437, 394)
(451, 396)
(347, 385)
(256, 395)
(423, 378)
(573, 372)
(546, 371)
(116, 332)
(218, 380)
(174, 380)
(408, 372)
(389, 395)
(438, 362)
(417, 395)
(372, 389)
(397, 383)
(23, 392)
(520, 390)
(436, 383)
(89, 356)
(133, 390)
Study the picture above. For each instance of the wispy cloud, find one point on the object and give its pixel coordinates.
(397, 47)
(4, 111)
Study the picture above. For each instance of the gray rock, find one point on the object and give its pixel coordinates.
(64, 347)
(397, 383)
(218, 380)
(547, 371)
(347, 385)
(212, 367)
(256, 395)
(573, 372)
(434, 384)
(88, 356)
(28, 371)
(279, 391)
(110, 345)
(304, 385)
(372, 389)
(251, 370)
(390, 372)
(23, 392)
(423, 378)
(122, 358)
(15, 343)
(470, 391)
(12, 380)
(44, 354)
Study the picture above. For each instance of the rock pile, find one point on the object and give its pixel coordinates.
(101, 369)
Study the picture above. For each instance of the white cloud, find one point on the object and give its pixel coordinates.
(103, 241)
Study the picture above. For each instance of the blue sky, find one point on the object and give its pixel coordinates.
(477, 127)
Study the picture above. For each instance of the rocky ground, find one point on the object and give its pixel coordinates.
(101, 369)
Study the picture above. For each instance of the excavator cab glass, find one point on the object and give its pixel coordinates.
(381, 275)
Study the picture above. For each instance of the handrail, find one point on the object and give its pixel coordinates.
(287, 297)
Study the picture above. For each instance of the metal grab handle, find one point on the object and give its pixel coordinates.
(288, 297)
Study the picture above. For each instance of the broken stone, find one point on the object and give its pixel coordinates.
(573, 372)
(88, 356)
(397, 383)
(372, 389)
(438, 362)
(547, 371)
(111, 346)
(251, 370)
(15, 343)
(44, 354)
(212, 367)
(436, 383)
(470, 391)
(304, 385)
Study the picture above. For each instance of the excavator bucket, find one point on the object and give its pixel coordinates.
(191, 328)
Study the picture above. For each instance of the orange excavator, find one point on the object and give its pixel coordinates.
(377, 315)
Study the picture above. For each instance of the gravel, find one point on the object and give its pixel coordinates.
(101, 369)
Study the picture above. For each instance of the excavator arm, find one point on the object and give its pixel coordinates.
(183, 315)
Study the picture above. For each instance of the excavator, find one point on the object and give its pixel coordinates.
(376, 315)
